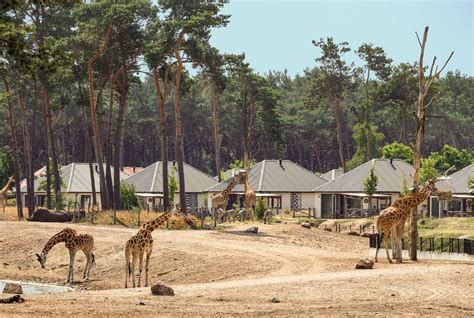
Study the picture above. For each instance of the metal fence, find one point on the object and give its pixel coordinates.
(433, 244)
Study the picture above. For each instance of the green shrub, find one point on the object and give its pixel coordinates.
(260, 209)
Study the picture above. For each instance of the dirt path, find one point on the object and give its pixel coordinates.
(232, 273)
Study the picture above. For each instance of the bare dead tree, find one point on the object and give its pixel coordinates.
(424, 84)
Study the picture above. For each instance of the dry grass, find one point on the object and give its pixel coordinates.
(125, 218)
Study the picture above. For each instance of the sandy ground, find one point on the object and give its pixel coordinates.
(227, 272)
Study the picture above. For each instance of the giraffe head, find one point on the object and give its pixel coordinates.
(42, 259)
(430, 187)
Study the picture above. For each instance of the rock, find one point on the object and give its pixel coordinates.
(13, 299)
(207, 226)
(253, 229)
(306, 225)
(275, 300)
(313, 224)
(353, 233)
(12, 288)
(162, 290)
(364, 263)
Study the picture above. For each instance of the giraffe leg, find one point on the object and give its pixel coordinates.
(88, 257)
(127, 266)
(385, 239)
(147, 263)
(134, 261)
(72, 255)
(140, 267)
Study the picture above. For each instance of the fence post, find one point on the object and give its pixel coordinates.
(441, 245)
(403, 244)
(458, 246)
(294, 213)
(421, 243)
(139, 217)
(373, 229)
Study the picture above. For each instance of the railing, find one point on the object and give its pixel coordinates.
(433, 244)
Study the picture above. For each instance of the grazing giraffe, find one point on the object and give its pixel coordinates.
(223, 197)
(250, 198)
(139, 244)
(3, 194)
(74, 241)
(391, 220)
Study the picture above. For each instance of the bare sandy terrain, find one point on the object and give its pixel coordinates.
(227, 272)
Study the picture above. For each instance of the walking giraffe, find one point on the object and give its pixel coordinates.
(3, 194)
(391, 220)
(223, 197)
(139, 244)
(74, 242)
(250, 198)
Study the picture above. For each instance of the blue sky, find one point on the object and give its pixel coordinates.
(277, 34)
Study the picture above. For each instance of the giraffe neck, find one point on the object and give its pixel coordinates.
(56, 239)
(7, 186)
(230, 186)
(413, 200)
(153, 225)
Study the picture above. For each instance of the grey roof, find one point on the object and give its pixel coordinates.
(151, 178)
(332, 174)
(390, 177)
(457, 182)
(76, 178)
(270, 176)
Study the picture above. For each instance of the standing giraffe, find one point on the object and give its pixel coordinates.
(139, 244)
(391, 220)
(73, 241)
(3, 194)
(250, 198)
(223, 197)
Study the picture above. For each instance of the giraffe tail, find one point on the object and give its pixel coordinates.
(93, 259)
(129, 270)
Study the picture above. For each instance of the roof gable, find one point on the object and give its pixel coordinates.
(76, 178)
(271, 176)
(151, 178)
(458, 180)
(390, 175)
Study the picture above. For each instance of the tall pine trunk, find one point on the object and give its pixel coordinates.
(108, 144)
(27, 155)
(54, 158)
(97, 145)
(163, 132)
(178, 127)
(87, 147)
(339, 133)
(217, 130)
(16, 160)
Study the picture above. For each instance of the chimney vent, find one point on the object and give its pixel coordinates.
(96, 168)
(280, 162)
(391, 161)
(174, 162)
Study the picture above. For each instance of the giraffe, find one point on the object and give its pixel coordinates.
(139, 244)
(223, 197)
(74, 241)
(250, 198)
(3, 194)
(391, 220)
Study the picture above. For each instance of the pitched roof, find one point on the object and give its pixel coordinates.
(457, 182)
(76, 178)
(332, 174)
(270, 176)
(151, 178)
(390, 177)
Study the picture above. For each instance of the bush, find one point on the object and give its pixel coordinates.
(260, 209)
(128, 197)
